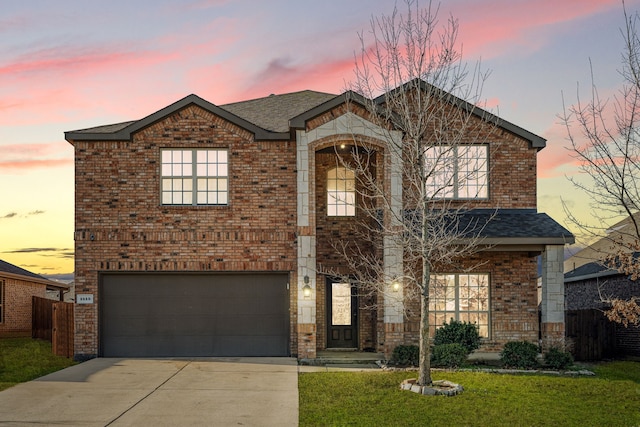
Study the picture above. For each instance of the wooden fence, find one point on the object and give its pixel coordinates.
(593, 336)
(53, 321)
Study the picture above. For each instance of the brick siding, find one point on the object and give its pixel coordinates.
(121, 225)
(17, 306)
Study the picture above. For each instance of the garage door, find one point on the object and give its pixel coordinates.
(174, 315)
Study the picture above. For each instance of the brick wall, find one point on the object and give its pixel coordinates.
(121, 225)
(513, 298)
(17, 306)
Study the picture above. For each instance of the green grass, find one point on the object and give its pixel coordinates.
(24, 359)
(611, 398)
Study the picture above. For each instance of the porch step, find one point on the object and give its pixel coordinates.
(337, 357)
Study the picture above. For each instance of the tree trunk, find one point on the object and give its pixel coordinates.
(424, 377)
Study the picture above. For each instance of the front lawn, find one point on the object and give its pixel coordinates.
(611, 398)
(24, 359)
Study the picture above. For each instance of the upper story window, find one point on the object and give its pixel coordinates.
(463, 297)
(195, 177)
(341, 192)
(458, 172)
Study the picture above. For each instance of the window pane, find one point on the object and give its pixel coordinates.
(341, 304)
(341, 195)
(201, 156)
(222, 156)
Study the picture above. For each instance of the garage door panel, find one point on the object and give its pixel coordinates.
(194, 315)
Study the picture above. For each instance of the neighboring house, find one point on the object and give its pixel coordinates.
(622, 232)
(17, 287)
(200, 229)
(585, 289)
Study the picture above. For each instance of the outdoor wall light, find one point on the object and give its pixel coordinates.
(395, 286)
(306, 291)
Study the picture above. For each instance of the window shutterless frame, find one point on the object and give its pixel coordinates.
(341, 192)
(194, 177)
(458, 172)
(461, 296)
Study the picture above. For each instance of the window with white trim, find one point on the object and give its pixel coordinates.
(457, 172)
(194, 177)
(341, 192)
(463, 297)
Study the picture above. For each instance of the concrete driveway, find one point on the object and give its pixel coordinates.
(159, 392)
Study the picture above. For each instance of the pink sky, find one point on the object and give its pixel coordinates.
(69, 65)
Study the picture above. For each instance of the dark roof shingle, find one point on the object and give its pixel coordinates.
(13, 269)
(274, 111)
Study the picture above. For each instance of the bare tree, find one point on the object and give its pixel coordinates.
(605, 141)
(411, 83)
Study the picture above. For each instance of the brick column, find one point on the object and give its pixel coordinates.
(552, 304)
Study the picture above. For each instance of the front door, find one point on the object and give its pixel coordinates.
(342, 312)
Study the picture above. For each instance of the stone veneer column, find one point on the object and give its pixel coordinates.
(306, 322)
(552, 305)
(393, 254)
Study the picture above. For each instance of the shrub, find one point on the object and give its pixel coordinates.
(449, 355)
(558, 359)
(519, 354)
(406, 355)
(464, 333)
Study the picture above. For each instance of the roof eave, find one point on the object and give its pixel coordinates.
(521, 241)
(39, 280)
(599, 274)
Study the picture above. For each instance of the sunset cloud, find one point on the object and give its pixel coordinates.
(17, 215)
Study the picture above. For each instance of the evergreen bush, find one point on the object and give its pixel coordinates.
(451, 355)
(519, 354)
(406, 355)
(558, 359)
(464, 333)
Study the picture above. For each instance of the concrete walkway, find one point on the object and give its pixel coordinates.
(159, 392)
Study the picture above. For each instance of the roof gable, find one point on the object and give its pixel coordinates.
(124, 131)
(534, 140)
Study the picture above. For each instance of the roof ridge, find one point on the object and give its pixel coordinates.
(278, 95)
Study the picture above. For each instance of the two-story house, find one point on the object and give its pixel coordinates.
(200, 231)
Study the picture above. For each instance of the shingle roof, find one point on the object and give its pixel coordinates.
(512, 226)
(592, 270)
(272, 117)
(525, 223)
(13, 269)
(273, 112)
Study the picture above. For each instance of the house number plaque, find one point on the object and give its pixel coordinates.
(84, 299)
